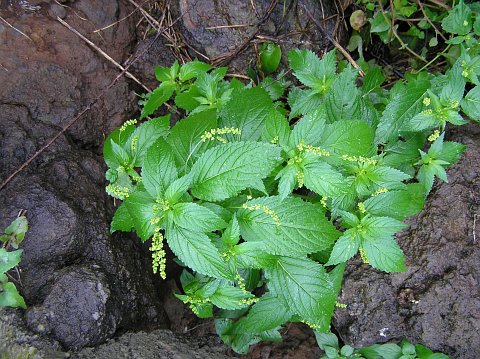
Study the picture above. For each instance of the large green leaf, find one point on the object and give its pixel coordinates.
(397, 204)
(196, 218)
(347, 137)
(343, 101)
(277, 128)
(268, 313)
(310, 128)
(287, 227)
(145, 135)
(402, 106)
(303, 101)
(230, 298)
(459, 20)
(225, 170)
(304, 287)
(197, 251)
(158, 170)
(122, 221)
(142, 209)
(311, 71)
(323, 179)
(184, 137)
(247, 110)
(345, 248)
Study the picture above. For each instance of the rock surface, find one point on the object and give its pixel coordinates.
(437, 301)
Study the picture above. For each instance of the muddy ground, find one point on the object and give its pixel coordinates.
(91, 295)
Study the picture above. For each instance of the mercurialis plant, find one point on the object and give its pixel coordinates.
(263, 192)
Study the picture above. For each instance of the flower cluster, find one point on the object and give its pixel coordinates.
(302, 147)
(126, 124)
(117, 191)
(359, 159)
(214, 133)
(266, 210)
(158, 254)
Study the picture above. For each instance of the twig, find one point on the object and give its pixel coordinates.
(334, 42)
(116, 22)
(474, 230)
(103, 53)
(420, 4)
(441, 4)
(226, 26)
(14, 28)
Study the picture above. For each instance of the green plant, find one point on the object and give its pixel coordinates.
(328, 342)
(265, 199)
(426, 30)
(13, 236)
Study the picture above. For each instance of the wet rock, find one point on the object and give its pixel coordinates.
(436, 302)
(219, 28)
(79, 310)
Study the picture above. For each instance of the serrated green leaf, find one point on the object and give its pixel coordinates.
(192, 69)
(289, 226)
(9, 297)
(178, 189)
(378, 176)
(247, 111)
(397, 204)
(454, 87)
(267, 314)
(372, 80)
(225, 170)
(145, 135)
(458, 20)
(384, 254)
(142, 209)
(184, 137)
(345, 137)
(402, 154)
(304, 287)
(322, 179)
(157, 98)
(326, 340)
(158, 170)
(231, 235)
(276, 128)
(373, 227)
(287, 181)
(252, 255)
(311, 71)
(18, 228)
(342, 101)
(386, 351)
(120, 136)
(310, 128)
(196, 218)
(303, 101)
(471, 104)
(230, 298)
(9, 260)
(451, 152)
(122, 221)
(345, 248)
(402, 106)
(196, 249)
(380, 22)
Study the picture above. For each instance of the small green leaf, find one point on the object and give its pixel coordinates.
(459, 20)
(326, 340)
(159, 169)
(471, 104)
(145, 135)
(9, 297)
(372, 80)
(277, 128)
(18, 228)
(192, 69)
(384, 254)
(9, 260)
(270, 55)
(225, 170)
(303, 101)
(157, 98)
(345, 248)
(348, 137)
(230, 298)
(311, 71)
(322, 179)
(122, 221)
(267, 314)
(231, 235)
(342, 100)
(310, 127)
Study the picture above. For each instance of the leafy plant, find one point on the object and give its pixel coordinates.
(13, 236)
(328, 342)
(265, 195)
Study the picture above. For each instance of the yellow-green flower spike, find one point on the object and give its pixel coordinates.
(323, 201)
(426, 101)
(434, 136)
(311, 325)
(117, 191)
(214, 133)
(359, 159)
(134, 143)
(363, 255)
(302, 147)
(361, 207)
(126, 124)
(379, 191)
(266, 210)
(340, 305)
(158, 254)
